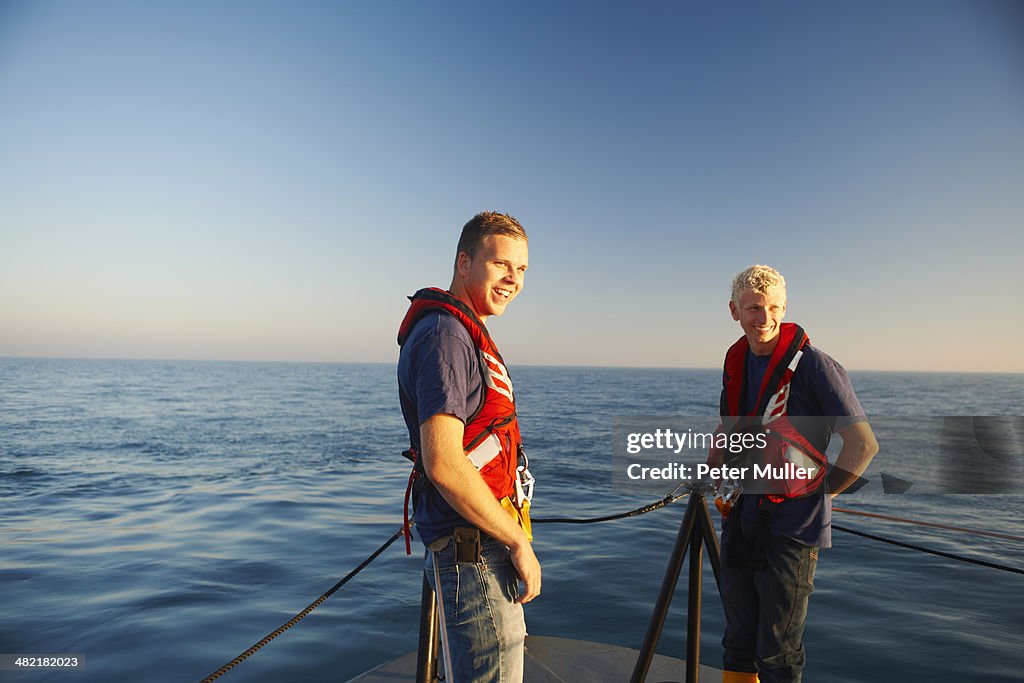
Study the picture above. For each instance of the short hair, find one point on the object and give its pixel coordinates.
(487, 223)
(758, 279)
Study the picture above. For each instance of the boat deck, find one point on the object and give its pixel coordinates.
(562, 660)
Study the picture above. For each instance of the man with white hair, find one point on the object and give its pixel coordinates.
(775, 380)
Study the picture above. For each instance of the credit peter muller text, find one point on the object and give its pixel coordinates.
(681, 472)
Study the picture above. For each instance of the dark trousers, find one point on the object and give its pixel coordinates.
(765, 609)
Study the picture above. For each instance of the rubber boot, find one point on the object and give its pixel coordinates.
(739, 677)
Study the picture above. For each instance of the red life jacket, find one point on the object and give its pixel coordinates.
(785, 444)
(491, 438)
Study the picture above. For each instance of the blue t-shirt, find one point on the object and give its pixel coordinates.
(438, 374)
(820, 387)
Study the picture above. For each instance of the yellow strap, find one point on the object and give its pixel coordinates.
(739, 677)
(520, 514)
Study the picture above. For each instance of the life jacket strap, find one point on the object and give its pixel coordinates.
(520, 513)
(416, 477)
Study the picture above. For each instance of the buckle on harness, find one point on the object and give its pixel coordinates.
(729, 491)
(524, 480)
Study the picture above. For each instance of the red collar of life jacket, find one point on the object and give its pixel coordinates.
(785, 443)
(491, 438)
(773, 393)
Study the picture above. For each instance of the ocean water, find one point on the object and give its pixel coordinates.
(161, 517)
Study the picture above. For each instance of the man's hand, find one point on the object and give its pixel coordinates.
(528, 567)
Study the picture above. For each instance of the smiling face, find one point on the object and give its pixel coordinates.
(489, 279)
(760, 316)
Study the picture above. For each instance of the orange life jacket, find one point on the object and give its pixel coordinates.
(491, 438)
(785, 444)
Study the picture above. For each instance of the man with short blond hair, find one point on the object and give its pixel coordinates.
(483, 225)
(774, 380)
(471, 488)
(759, 279)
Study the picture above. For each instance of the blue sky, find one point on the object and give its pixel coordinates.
(269, 180)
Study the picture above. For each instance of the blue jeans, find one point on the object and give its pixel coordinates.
(482, 628)
(765, 610)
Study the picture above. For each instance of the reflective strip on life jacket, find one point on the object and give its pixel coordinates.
(485, 452)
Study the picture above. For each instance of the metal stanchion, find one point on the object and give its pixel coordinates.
(426, 660)
(696, 530)
(693, 605)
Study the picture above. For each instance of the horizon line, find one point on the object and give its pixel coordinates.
(517, 365)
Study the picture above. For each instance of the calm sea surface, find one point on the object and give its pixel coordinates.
(161, 517)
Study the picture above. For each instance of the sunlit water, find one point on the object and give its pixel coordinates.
(161, 517)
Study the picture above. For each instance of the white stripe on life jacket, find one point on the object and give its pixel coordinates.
(777, 405)
(497, 376)
(796, 359)
(486, 451)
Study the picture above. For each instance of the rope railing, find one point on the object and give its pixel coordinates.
(302, 615)
(667, 500)
(930, 551)
(935, 525)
